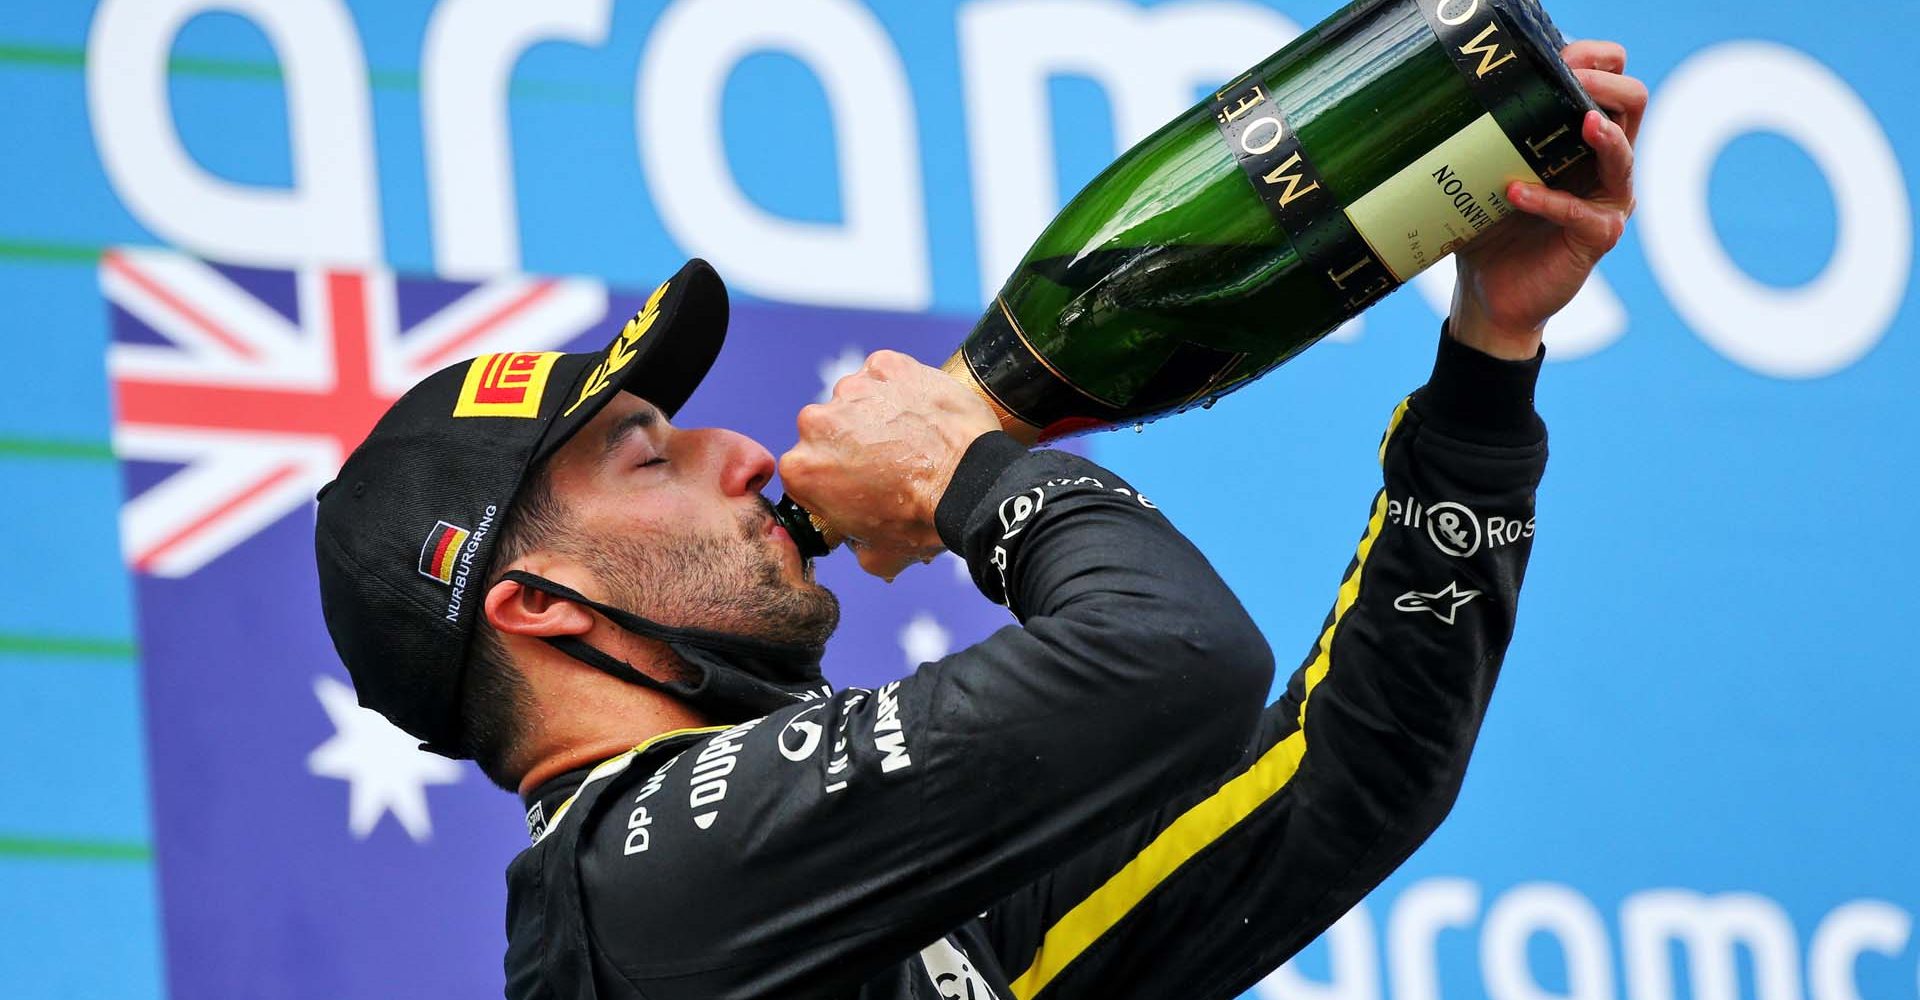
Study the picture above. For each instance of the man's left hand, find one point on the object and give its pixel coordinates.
(1512, 282)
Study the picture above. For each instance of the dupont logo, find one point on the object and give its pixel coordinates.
(442, 550)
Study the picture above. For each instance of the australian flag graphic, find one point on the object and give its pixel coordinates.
(306, 848)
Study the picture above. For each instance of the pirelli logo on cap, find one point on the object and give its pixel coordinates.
(442, 550)
(505, 385)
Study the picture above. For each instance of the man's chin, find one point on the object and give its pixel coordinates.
(810, 625)
(798, 608)
(823, 614)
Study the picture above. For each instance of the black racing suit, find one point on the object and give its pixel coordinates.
(1092, 804)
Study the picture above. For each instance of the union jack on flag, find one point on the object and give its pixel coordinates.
(253, 385)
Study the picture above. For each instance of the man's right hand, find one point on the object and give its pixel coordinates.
(874, 461)
(1511, 283)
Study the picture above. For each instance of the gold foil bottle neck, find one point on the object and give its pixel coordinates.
(956, 367)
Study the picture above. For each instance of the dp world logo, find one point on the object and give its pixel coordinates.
(1454, 528)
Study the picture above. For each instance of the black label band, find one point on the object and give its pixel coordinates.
(1024, 384)
(1296, 196)
(1508, 72)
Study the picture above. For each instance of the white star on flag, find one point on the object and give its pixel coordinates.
(834, 369)
(924, 640)
(385, 769)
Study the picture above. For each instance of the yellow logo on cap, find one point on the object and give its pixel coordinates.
(621, 352)
(505, 385)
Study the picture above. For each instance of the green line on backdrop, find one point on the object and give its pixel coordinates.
(84, 647)
(38, 55)
(223, 69)
(20, 54)
(48, 253)
(86, 451)
(73, 850)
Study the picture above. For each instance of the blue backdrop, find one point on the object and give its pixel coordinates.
(1697, 779)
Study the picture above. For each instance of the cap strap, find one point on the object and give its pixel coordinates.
(672, 635)
(607, 663)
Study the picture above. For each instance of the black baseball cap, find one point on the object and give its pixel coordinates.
(406, 532)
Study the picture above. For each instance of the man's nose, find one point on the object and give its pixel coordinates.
(745, 466)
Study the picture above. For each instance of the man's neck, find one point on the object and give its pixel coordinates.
(586, 716)
(665, 716)
(575, 757)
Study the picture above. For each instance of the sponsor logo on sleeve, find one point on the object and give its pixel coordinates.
(953, 973)
(1456, 529)
(1089, 481)
(1507, 530)
(1018, 509)
(999, 560)
(1016, 512)
(1443, 604)
(505, 385)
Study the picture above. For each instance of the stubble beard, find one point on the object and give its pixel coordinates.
(733, 582)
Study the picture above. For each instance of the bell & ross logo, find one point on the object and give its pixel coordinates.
(505, 385)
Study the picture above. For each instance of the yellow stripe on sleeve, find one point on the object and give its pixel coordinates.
(1393, 424)
(1206, 822)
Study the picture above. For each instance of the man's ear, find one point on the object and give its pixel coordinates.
(519, 610)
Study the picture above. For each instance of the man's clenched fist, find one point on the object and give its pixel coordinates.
(874, 461)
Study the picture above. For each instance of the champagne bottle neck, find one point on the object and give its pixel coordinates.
(956, 367)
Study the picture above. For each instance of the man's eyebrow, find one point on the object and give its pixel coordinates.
(638, 420)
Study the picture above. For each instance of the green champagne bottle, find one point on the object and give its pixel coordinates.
(1299, 194)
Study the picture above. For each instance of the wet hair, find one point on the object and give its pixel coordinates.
(495, 700)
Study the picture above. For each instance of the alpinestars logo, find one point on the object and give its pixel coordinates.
(1443, 603)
